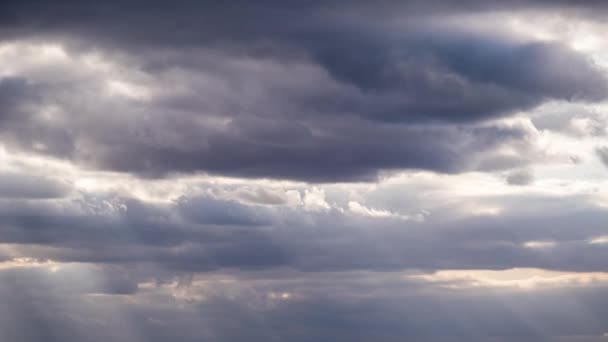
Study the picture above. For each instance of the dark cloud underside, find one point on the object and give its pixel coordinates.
(353, 106)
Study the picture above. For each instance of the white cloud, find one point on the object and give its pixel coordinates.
(314, 199)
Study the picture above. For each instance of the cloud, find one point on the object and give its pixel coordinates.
(319, 149)
(321, 170)
(205, 210)
(18, 186)
(602, 153)
(203, 233)
(427, 90)
(12, 91)
(520, 177)
(321, 306)
(452, 77)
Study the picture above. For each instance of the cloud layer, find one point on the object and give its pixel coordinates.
(321, 170)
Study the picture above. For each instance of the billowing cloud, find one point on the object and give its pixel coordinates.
(220, 103)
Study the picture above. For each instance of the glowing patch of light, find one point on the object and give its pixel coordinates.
(129, 90)
(23, 262)
(52, 52)
(515, 278)
(359, 209)
(600, 240)
(539, 244)
(482, 210)
(280, 295)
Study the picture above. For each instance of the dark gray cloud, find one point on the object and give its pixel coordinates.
(459, 77)
(417, 72)
(13, 91)
(321, 149)
(347, 151)
(363, 96)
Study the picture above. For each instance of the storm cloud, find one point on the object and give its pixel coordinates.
(217, 101)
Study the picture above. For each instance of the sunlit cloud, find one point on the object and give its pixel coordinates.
(29, 263)
(524, 279)
(600, 240)
(539, 244)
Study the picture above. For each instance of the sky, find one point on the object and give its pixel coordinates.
(231, 171)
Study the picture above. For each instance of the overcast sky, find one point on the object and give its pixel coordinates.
(269, 171)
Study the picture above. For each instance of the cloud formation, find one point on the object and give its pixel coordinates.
(220, 103)
(320, 170)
